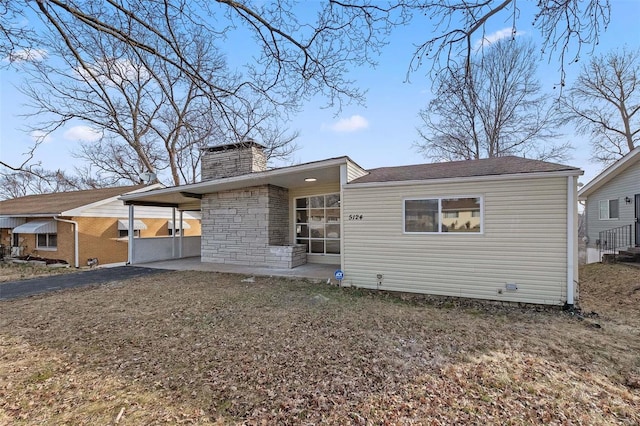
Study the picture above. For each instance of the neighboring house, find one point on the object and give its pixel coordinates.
(500, 229)
(612, 208)
(79, 225)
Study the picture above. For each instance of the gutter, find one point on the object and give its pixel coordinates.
(75, 235)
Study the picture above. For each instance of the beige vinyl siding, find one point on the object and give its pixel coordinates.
(306, 192)
(523, 241)
(627, 184)
(354, 171)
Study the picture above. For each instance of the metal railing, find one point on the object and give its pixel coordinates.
(613, 240)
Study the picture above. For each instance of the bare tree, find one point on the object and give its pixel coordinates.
(295, 58)
(300, 54)
(40, 181)
(604, 103)
(457, 26)
(497, 109)
(297, 55)
(152, 117)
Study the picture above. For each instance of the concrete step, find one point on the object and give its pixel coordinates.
(628, 256)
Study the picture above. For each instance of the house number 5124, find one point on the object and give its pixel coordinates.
(355, 217)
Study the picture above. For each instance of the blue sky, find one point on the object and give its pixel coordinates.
(380, 133)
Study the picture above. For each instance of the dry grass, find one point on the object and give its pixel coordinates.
(196, 347)
(20, 271)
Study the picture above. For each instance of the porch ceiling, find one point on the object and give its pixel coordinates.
(187, 197)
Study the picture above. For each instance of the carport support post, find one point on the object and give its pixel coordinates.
(181, 234)
(130, 248)
(173, 234)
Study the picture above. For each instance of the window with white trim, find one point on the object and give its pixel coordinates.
(609, 209)
(318, 223)
(440, 215)
(46, 241)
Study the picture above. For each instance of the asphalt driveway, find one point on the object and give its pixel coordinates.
(23, 288)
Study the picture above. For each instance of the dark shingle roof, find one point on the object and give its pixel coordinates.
(58, 202)
(458, 169)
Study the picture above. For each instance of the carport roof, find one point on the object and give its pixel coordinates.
(187, 197)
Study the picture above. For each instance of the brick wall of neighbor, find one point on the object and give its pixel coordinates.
(248, 227)
(234, 160)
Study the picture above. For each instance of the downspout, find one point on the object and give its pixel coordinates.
(571, 237)
(75, 238)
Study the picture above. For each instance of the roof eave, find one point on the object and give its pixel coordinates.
(486, 178)
(609, 173)
(32, 214)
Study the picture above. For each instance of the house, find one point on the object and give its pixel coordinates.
(498, 229)
(612, 208)
(79, 225)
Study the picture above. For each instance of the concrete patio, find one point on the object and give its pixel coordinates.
(309, 270)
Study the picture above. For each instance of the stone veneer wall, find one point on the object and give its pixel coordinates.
(232, 161)
(249, 226)
(278, 216)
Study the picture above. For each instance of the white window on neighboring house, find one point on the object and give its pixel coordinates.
(439, 215)
(609, 209)
(46, 241)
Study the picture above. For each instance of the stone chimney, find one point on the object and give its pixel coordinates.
(232, 160)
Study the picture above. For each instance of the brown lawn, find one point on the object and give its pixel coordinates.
(20, 271)
(204, 348)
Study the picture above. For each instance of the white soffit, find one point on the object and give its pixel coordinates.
(7, 222)
(37, 227)
(123, 225)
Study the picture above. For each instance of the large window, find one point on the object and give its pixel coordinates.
(318, 223)
(608, 209)
(438, 215)
(46, 241)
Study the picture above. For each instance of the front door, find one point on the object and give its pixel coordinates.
(637, 206)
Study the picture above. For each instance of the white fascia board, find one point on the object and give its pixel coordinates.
(609, 173)
(467, 179)
(78, 211)
(209, 186)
